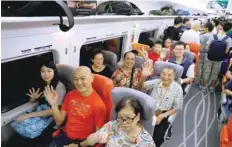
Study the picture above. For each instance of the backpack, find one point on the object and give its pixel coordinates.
(118, 8)
(168, 10)
(217, 49)
(38, 8)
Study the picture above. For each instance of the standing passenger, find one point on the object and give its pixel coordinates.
(203, 52)
(212, 68)
(192, 35)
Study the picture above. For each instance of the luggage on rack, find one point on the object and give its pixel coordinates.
(84, 8)
(118, 8)
(38, 8)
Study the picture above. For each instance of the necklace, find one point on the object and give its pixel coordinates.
(162, 93)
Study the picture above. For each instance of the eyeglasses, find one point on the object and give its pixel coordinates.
(127, 119)
(179, 49)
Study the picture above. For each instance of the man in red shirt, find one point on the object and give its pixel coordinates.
(83, 108)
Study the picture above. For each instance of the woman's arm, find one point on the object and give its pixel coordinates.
(41, 113)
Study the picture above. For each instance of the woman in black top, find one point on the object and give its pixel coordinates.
(98, 67)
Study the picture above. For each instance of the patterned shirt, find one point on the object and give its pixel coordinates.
(120, 139)
(168, 98)
(122, 79)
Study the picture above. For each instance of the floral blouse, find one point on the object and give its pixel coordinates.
(120, 139)
(122, 79)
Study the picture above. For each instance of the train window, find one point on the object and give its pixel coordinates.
(18, 77)
(147, 37)
(113, 45)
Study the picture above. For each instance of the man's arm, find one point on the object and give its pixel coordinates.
(190, 75)
(170, 112)
(58, 115)
(52, 97)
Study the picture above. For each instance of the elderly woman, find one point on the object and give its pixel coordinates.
(126, 130)
(98, 67)
(127, 75)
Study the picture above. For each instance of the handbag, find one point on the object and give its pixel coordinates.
(33, 127)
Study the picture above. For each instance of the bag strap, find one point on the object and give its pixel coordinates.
(225, 38)
(132, 77)
(215, 37)
(69, 14)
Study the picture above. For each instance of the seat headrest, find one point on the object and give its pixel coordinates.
(110, 59)
(139, 62)
(65, 73)
(139, 46)
(159, 65)
(189, 55)
(147, 102)
(194, 47)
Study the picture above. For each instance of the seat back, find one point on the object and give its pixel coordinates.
(138, 47)
(148, 104)
(159, 65)
(189, 55)
(65, 73)
(139, 62)
(110, 59)
(229, 128)
(195, 48)
(103, 86)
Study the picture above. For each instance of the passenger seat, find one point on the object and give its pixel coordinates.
(110, 60)
(147, 102)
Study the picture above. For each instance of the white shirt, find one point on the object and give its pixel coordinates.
(190, 36)
(190, 71)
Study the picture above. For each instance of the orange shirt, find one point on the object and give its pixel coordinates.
(84, 114)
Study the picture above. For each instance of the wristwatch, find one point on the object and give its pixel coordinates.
(165, 114)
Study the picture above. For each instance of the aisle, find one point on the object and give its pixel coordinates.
(196, 125)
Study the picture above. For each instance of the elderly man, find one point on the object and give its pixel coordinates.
(192, 35)
(83, 108)
(169, 99)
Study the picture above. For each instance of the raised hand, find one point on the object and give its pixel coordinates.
(147, 69)
(144, 53)
(51, 95)
(34, 94)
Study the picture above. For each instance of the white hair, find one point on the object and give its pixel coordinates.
(195, 24)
